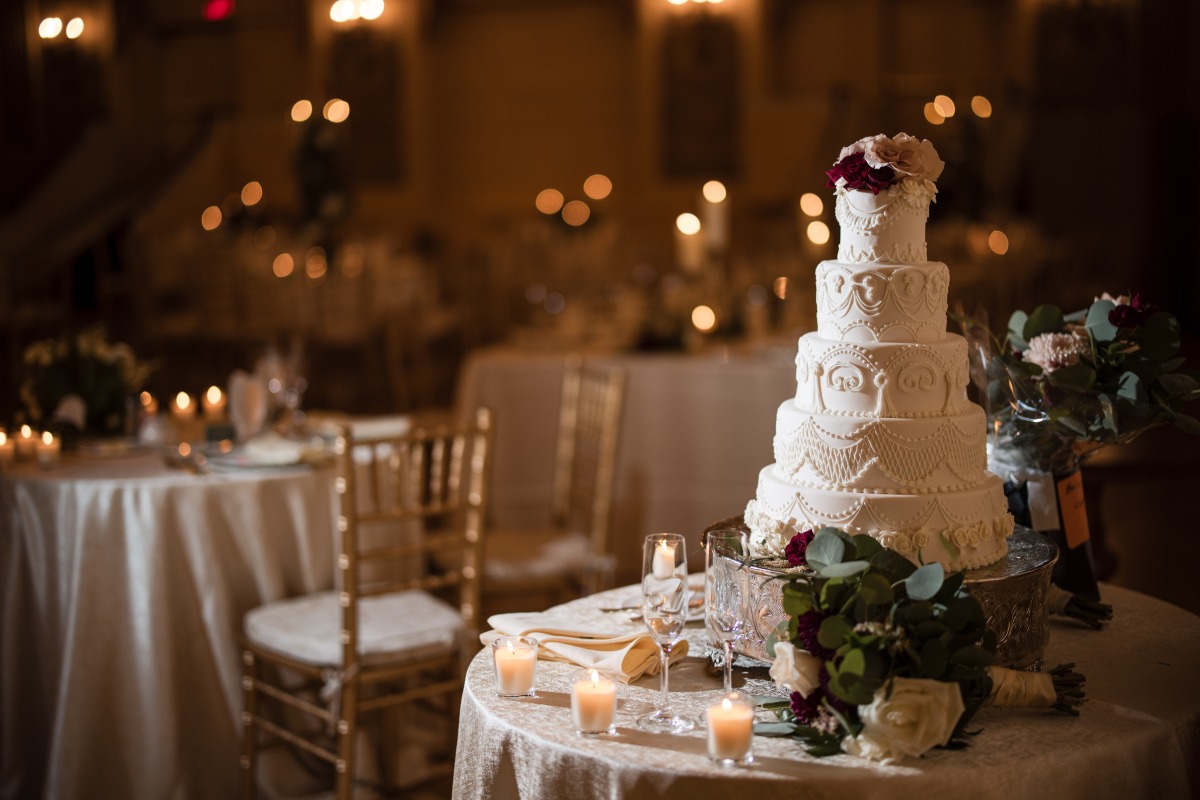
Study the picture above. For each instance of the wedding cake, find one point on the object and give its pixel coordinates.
(880, 437)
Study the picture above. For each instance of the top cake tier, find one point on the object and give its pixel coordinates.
(888, 227)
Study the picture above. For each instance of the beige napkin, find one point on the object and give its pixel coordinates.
(624, 656)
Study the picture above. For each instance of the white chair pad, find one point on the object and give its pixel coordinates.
(516, 555)
(391, 628)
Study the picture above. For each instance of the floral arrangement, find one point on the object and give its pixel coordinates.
(1060, 386)
(101, 373)
(886, 660)
(875, 163)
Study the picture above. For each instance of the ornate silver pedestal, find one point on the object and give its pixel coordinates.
(1012, 592)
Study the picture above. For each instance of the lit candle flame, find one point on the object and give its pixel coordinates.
(182, 401)
(26, 431)
(213, 394)
(726, 705)
(595, 679)
(47, 437)
(512, 649)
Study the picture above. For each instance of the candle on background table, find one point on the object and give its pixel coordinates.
(149, 403)
(8, 451)
(664, 560)
(714, 215)
(515, 658)
(182, 407)
(49, 450)
(689, 244)
(730, 730)
(214, 402)
(593, 703)
(26, 443)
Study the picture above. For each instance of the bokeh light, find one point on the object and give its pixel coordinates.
(944, 105)
(781, 288)
(811, 204)
(704, 318)
(688, 223)
(597, 186)
(252, 192)
(301, 110)
(75, 28)
(549, 201)
(818, 232)
(210, 220)
(283, 265)
(370, 9)
(998, 241)
(932, 115)
(714, 192)
(576, 212)
(981, 106)
(50, 27)
(554, 303)
(336, 110)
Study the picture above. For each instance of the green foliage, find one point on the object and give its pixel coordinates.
(1126, 377)
(881, 617)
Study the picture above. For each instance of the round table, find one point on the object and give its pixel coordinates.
(1137, 735)
(122, 589)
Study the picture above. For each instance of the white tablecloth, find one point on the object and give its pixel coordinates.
(696, 430)
(1137, 736)
(123, 586)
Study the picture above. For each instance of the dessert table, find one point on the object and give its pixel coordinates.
(122, 588)
(695, 431)
(1137, 736)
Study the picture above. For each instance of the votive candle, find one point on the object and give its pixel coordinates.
(664, 560)
(26, 443)
(730, 730)
(515, 658)
(49, 450)
(214, 402)
(593, 703)
(182, 406)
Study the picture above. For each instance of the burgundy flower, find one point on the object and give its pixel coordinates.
(808, 709)
(1133, 314)
(797, 547)
(808, 626)
(859, 175)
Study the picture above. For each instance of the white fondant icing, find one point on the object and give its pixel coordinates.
(892, 379)
(882, 302)
(889, 226)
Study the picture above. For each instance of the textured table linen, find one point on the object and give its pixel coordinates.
(123, 586)
(695, 431)
(1136, 737)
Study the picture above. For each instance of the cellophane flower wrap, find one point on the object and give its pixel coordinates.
(102, 373)
(884, 659)
(1058, 387)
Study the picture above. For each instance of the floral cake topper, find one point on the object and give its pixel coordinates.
(878, 162)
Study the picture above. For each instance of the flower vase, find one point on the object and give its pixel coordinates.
(1053, 504)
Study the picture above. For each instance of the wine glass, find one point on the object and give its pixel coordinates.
(726, 591)
(665, 610)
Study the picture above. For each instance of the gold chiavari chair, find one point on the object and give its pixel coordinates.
(314, 665)
(572, 556)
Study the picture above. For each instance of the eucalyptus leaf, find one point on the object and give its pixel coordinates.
(934, 657)
(833, 632)
(1172, 364)
(865, 546)
(1186, 424)
(1076, 378)
(1131, 388)
(931, 629)
(1016, 328)
(957, 614)
(895, 566)
(1159, 336)
(1044, 319)
(916, 613)
(925, 582)
(774, 729)
(874, 588)
(1178, 383)
(826, 548)
(844, 569)
(1097, 321)
(971, 657)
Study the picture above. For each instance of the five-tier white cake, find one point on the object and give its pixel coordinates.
(880, 437)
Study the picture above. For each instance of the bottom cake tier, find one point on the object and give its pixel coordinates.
(1012, 592)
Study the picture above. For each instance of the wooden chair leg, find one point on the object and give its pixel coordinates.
(347, 729)
(249, 733)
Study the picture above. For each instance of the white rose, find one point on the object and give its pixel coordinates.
(795, 670)
(919, 715)
(916, 157)
(1119, 300)
(881, 151)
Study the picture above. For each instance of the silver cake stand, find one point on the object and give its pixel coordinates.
(1012, 592)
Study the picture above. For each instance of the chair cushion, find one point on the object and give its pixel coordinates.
(515, 555)
(391, 628)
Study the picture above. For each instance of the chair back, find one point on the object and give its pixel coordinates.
(585, 464)
(427, 488)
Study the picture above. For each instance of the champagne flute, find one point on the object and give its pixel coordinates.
(726, 591)
(664, 609)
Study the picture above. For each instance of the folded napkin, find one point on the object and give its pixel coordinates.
(562, 637)
(271, 449)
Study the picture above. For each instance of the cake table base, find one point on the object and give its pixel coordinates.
(1012, 592)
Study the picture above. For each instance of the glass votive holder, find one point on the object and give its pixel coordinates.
(593, 703)
(730, 731)
(515, 658)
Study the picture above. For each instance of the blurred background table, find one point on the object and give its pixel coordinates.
(123, 584)
(696, 430)
(1137, 735)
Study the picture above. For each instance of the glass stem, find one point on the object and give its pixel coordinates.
(664, 702)
(728, 645)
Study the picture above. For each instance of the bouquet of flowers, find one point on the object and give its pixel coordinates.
(1058, 387)
(875, 163)
(103, 375)
(884, 659)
